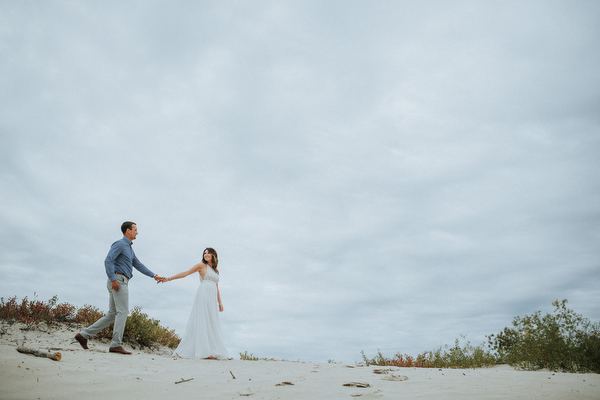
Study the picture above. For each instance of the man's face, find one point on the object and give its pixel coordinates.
(131, 233)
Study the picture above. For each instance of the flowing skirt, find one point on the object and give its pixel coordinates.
(203, 337)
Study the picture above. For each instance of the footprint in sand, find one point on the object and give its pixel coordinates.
(392, 377)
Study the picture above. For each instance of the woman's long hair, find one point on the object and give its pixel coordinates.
(215, 258)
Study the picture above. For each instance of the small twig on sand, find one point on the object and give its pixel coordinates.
(232, 374)
(357, 384)
(184, 380)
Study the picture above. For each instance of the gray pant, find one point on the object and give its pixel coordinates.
(118, 308)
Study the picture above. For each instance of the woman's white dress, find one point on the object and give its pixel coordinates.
(203, 337)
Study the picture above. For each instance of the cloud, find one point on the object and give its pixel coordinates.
(374, 176)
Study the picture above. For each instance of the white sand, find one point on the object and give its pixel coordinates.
(95, 373)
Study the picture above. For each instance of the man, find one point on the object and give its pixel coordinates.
(119, 265)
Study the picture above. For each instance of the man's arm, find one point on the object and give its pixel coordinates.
(141, 267)
(109, 262)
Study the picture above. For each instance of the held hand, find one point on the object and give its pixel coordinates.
(159, 279)
(114, 285)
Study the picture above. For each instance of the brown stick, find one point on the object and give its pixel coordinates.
(184, 380)
(40, 353)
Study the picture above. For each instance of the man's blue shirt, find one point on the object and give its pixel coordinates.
(122, 259)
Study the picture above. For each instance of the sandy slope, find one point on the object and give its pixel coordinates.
(95, 373)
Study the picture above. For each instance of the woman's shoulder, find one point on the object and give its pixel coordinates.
(200, 266)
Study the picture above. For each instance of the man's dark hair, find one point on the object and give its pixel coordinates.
(127, 225)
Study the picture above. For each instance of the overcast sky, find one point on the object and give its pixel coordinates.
(375, 175)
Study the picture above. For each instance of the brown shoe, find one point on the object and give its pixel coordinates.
(82, 341)
(119, 350)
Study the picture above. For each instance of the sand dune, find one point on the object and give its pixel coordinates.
(95, 373)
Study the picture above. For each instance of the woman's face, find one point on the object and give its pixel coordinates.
(208, 257)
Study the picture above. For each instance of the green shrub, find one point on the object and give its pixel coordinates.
(563, 341)
(146, 332)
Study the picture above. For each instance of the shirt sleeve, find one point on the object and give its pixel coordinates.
(109, 262)
(141, 267)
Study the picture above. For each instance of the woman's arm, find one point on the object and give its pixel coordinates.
(195, 268)
(219, 299)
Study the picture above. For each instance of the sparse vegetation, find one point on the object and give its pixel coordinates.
(140, 330)
(249, 357)
(563, 341)
(457, 356)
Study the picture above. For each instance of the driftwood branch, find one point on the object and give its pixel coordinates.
(184, 380)
(40, 353)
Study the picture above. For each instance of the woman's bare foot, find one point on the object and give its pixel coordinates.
(211, 358)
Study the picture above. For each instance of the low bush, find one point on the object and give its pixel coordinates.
(140, 330)
(87, 315)
(146, 332)
(562, 341)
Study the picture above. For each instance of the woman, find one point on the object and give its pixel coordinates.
(203, 338)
